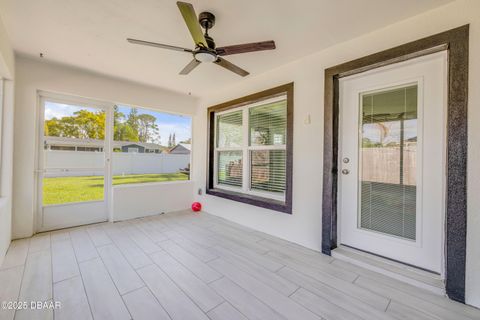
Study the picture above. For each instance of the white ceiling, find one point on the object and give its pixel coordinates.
(91, 33)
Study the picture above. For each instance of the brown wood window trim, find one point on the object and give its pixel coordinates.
(272, 204)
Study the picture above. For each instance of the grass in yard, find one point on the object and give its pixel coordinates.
(77, 189)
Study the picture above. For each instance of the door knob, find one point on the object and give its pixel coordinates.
(345, 171)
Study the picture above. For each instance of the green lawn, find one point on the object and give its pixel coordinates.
(76, 189)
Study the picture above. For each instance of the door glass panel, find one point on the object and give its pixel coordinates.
(388, 167)
(73, 154)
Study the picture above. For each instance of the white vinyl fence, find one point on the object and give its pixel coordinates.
(383, 165)
(80, 163)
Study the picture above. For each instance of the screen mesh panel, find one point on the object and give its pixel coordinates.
(388, 170)
(230, 168)
(268, 170)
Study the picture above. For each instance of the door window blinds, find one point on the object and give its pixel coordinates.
(388, 167)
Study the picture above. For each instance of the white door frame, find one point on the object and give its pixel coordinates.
(456, 42)
(428, 74)
(43, 96)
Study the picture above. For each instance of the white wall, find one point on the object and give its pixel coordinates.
(151, 199)
(6, 118)
(36, 74)
(7, 58)
(304, 225)
(122, 162)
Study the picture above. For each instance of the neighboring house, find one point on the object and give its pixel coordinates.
(95, 145)
(138, 147)
(181, 148)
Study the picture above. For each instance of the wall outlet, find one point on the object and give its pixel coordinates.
(200, 191)
(307, 119)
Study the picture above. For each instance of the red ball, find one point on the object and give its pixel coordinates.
(196, 206)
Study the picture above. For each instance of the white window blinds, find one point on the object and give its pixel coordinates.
(250, 148)
(268, 131)
(229, 130)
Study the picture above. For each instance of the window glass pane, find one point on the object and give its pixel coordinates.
(388, 172)
(268, 169)
(268, 124)
(229, 130)
(230, 168)
(150, 146)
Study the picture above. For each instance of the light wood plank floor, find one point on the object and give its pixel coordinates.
(186, 266)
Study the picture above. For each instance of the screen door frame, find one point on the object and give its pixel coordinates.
(42, 224)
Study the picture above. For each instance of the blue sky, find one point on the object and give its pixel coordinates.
(167, 123)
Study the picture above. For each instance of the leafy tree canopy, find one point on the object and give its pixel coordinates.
(86, 124)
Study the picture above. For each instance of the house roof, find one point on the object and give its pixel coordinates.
(65, 141)
(187, 146)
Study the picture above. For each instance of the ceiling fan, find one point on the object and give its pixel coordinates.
(205, 50)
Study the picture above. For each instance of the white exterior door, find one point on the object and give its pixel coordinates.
(74, 175)
(392, 161)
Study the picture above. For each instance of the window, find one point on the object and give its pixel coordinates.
(62, 148)
(139, 135)
(388, 162)
(250, 149)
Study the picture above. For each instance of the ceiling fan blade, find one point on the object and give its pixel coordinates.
(190, 17)
(246, 47)
(158, 45)
(189, 67)
(230, 66)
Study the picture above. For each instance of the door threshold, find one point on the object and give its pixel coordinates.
(417, 277)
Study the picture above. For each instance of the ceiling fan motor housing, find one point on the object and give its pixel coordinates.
(206, 20)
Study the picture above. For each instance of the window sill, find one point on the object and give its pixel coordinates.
(257, 201)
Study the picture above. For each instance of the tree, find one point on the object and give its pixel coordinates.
(83, 124)
(147, 128)
(173, 140)
(170, 140)
(126, 133)
(188, 141)
(89, 125)
(53, 128)
(122, 130)
(117, 123)
(132, 119)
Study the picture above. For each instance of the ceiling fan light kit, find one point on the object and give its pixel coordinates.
(205, 56)
(205, 49)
